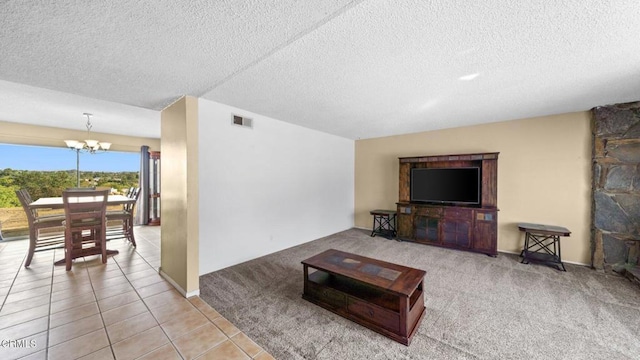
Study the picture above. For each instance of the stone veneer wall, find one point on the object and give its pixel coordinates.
(616, 187)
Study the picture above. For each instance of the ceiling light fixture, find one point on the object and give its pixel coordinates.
(90, 146)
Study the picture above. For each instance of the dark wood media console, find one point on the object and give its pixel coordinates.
(381, 296)
(465, 227)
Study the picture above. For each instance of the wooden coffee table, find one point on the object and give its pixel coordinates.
(381, 296)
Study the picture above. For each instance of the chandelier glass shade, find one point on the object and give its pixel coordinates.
(89, 145)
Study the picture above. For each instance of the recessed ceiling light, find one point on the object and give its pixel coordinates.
(469, 77)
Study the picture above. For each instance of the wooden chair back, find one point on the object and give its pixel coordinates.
(85, 222)
(133, 193)
(85, 208)
(36, 223)
(126, 216)
(25, 200)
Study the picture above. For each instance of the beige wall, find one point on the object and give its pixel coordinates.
(179, 193)
(22, 134)
(544, 174)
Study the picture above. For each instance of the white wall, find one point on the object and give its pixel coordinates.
(268, 188)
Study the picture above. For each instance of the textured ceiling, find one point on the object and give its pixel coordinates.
(357, 69)
(31, 105)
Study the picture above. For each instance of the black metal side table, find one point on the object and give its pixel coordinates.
(542, 244)
(384, 223)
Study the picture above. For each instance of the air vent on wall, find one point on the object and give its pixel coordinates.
(241, 121)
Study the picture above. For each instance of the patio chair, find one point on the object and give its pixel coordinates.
(37, 223)
(126, 215)
(85, 224)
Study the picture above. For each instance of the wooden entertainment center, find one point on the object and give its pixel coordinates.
(459, 226)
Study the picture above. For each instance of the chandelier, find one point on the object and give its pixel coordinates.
(90, 146)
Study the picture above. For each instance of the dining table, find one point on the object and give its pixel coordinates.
(57, 203)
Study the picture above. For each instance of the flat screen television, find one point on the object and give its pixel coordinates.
(446, 185)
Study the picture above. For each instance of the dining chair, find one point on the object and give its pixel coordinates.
(85, 224)
(37, 223)
(126, 215)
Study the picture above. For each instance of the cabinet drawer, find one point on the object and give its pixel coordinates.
(428, 211)
(458, 213)
(374, 314)
(327, 295)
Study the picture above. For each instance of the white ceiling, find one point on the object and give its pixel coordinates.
(357, 69)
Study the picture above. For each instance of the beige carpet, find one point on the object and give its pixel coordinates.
(477, 307)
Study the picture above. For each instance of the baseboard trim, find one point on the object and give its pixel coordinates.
(193, 293)
(564, 261)
(500, 251)
(362, 228)
(182, 291)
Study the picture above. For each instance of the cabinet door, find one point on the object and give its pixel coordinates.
(426, 229)
(485, 234)
(456, 233)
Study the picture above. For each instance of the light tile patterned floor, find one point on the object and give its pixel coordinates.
(121, 310)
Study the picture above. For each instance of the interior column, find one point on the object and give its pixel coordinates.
(179, 191)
